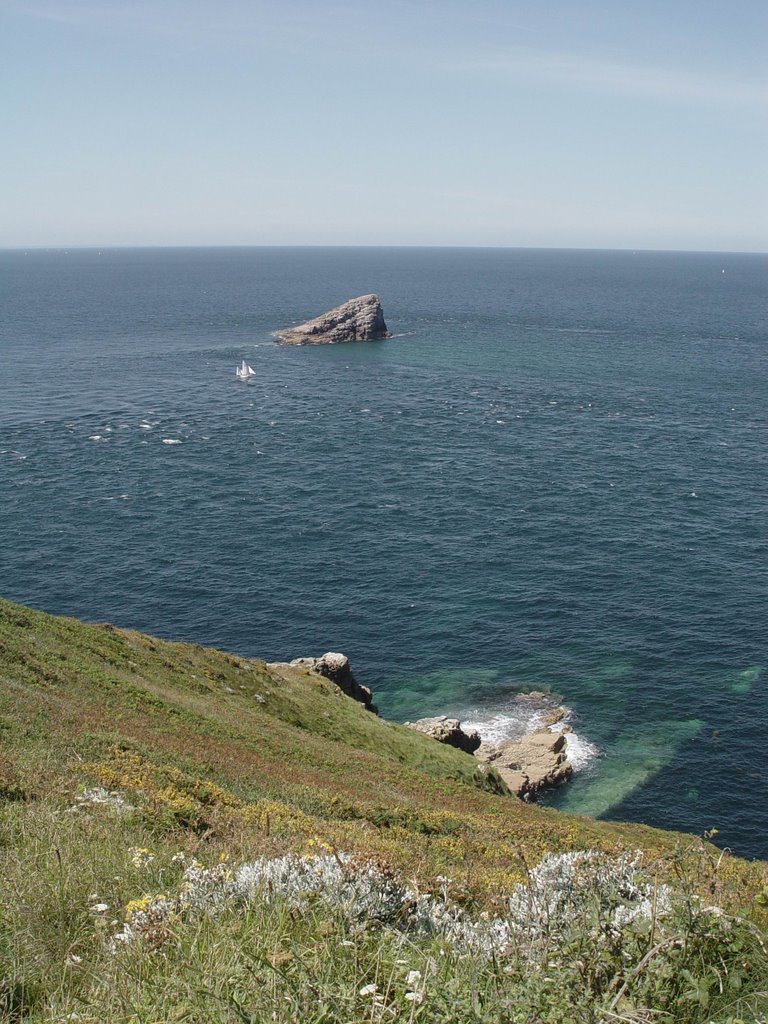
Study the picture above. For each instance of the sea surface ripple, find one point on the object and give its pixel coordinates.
(552, 477)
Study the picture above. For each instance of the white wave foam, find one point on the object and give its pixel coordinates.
(524, 715)
(503, 725)
(580, 752)
(171, 440)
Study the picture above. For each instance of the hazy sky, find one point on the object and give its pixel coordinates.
(595, 123)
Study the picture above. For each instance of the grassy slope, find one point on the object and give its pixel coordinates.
(231, 753)
(221, 757)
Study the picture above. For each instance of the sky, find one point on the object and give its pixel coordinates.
(555, 123)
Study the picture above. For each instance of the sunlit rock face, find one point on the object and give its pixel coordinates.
(530, 764)
(447, 730)
(360, 319)
(335, 667)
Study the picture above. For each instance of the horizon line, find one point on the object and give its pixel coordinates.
(89, 246)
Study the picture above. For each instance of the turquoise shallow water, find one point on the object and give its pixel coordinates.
(553, 477)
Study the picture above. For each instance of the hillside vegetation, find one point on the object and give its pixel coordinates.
(190, 835)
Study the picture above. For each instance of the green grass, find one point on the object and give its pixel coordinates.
(222, 757)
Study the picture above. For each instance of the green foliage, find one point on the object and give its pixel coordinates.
(113, 741)
(272, 962)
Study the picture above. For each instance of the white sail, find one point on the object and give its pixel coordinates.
(244, 371)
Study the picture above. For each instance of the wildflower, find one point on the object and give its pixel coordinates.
(368, 990)
(100, 908)
(146, 918)
(140, 857)
(413, 978)
(563, 887)
(99, 795)
(414, 997)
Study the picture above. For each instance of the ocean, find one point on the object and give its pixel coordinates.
(552, 477)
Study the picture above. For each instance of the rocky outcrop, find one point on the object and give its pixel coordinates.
(335, 666)
(447, 730)
(529, 764)
(360, 319)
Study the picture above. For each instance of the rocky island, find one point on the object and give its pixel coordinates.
(359, 319)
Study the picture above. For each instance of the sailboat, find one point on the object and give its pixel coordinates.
(244, 371)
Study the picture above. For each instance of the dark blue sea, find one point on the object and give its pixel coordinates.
(552, 477)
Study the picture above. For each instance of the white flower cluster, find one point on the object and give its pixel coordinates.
(99, 795)
(147, 919)
(361, 891)
(562, 890)
(140, 856)
(204, 890)
(414, 984)
(568, 887)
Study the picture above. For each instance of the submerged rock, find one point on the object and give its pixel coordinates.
(360, 319)
(447, 730)
(336, 668)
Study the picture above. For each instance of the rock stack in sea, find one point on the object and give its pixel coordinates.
(359, 319)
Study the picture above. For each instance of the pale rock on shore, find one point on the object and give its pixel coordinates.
(528, 763)
(359, 319)
(536, 760)
(531, 763)
(447, 730)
